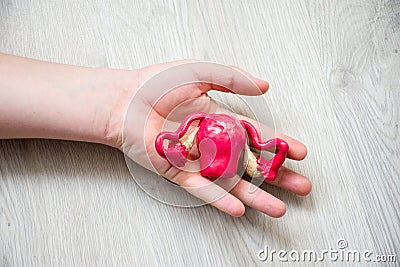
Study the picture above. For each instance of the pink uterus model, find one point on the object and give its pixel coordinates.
(220, 140)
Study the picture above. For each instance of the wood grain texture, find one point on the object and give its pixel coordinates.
(334, 71)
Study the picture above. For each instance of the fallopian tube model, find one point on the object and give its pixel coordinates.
(220, 141)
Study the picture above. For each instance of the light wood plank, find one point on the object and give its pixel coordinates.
(333, 68)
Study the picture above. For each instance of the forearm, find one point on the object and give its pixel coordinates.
(47, 100)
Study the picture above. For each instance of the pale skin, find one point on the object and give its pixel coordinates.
(56, 101)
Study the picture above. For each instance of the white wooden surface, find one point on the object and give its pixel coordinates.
(334, 71)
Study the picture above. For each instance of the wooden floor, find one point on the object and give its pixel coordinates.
(334, 70)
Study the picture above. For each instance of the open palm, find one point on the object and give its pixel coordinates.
(155, 112)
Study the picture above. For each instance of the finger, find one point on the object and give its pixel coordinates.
(149, 71)
(256, 198)
(212, 76)
(209, 192)
(216, 76)
(292, 181)
(229, 79)
(261, 84)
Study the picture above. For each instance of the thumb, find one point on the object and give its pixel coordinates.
(207, 76)
(228, 79)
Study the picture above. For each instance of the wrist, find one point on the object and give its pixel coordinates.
(56, 101)
(115, 91)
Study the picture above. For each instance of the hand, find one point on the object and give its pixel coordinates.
(57, 101)
(156, 116)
